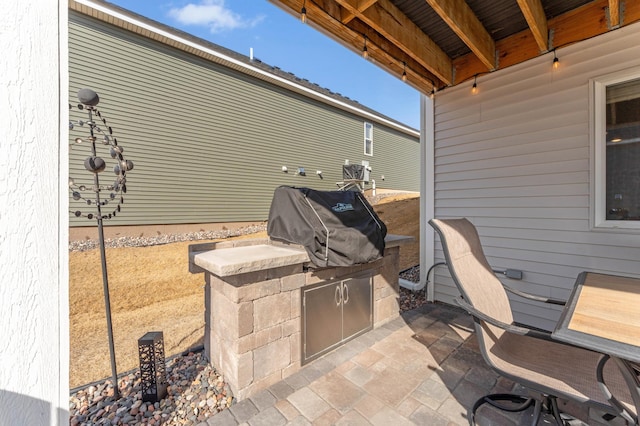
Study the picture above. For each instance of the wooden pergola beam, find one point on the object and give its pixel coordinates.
(326, 18)
(534, 14)
(580, 24)
(361, 6)
(393, 39)
(461, 19)
(386, 19)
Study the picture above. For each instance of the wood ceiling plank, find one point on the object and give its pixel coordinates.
(361, 6)
(466, 67)
(324, 15)
(385, 18)
(459, 16)
(536, 19)
(518, 48)
(631, 13)
(390, 45)
(574, 26)
(579, 24)
(511, 51)
(385, 54)
(614, 13)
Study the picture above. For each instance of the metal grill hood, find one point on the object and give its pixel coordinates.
(336, 228)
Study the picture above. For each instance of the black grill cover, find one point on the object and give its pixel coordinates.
(337, 228)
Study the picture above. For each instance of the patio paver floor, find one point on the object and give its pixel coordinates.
(423, 368)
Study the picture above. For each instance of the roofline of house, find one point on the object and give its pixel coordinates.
(165, 34)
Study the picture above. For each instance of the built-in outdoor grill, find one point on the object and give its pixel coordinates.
(337, 229)
(272, 306)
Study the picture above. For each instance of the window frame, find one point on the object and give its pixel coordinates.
(598, 116)
(370, 154)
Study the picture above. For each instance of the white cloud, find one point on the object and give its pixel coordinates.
(212, 14)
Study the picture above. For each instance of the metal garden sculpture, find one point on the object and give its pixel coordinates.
(94, 196)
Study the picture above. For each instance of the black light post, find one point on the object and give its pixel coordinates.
(95, 164)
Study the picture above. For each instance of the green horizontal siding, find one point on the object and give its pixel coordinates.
(208, 142)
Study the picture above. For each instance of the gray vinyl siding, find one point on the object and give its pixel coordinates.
(515, 159)
(393, 160)
(209, 142)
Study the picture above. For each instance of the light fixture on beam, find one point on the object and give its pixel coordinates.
(404, 71)
(365, 52)
(303, 12)
(556, 61)
(474, 88)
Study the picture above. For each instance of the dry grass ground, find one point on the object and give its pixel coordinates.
(151, 289)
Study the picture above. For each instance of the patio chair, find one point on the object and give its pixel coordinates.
(549, 368)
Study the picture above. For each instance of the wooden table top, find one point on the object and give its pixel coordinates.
(603, 313)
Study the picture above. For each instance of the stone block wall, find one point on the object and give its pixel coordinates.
(386, 300)
(252, 327)
(253, 320)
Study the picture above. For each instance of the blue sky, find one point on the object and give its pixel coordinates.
(280, 39)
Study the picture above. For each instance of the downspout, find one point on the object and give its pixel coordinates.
(427, 190)
(410, 285)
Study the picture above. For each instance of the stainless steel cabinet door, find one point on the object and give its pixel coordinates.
(356, 306)
(322, 319)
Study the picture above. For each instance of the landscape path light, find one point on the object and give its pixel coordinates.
(153, 372)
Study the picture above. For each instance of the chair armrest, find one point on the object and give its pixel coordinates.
(517, 292)
(534, 297)
(511, 328)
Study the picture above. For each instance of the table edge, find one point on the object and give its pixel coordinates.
(563, 333)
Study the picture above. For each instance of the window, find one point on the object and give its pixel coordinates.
(368, 139)
(616, 102)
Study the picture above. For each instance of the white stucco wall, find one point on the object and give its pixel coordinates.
(33, 214)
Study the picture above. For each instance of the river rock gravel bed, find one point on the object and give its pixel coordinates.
(411, 299)
(195, 392)
(142, 241)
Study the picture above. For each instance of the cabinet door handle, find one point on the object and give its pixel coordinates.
(338, 295)
(346, 294)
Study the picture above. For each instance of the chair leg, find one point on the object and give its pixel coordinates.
(555, 411)
(523, 404)
(537, 412)
(551, 406)
(549, 403)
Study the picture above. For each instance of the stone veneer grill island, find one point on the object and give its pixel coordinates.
(253, 305)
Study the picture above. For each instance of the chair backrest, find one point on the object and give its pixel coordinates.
(471, 271)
